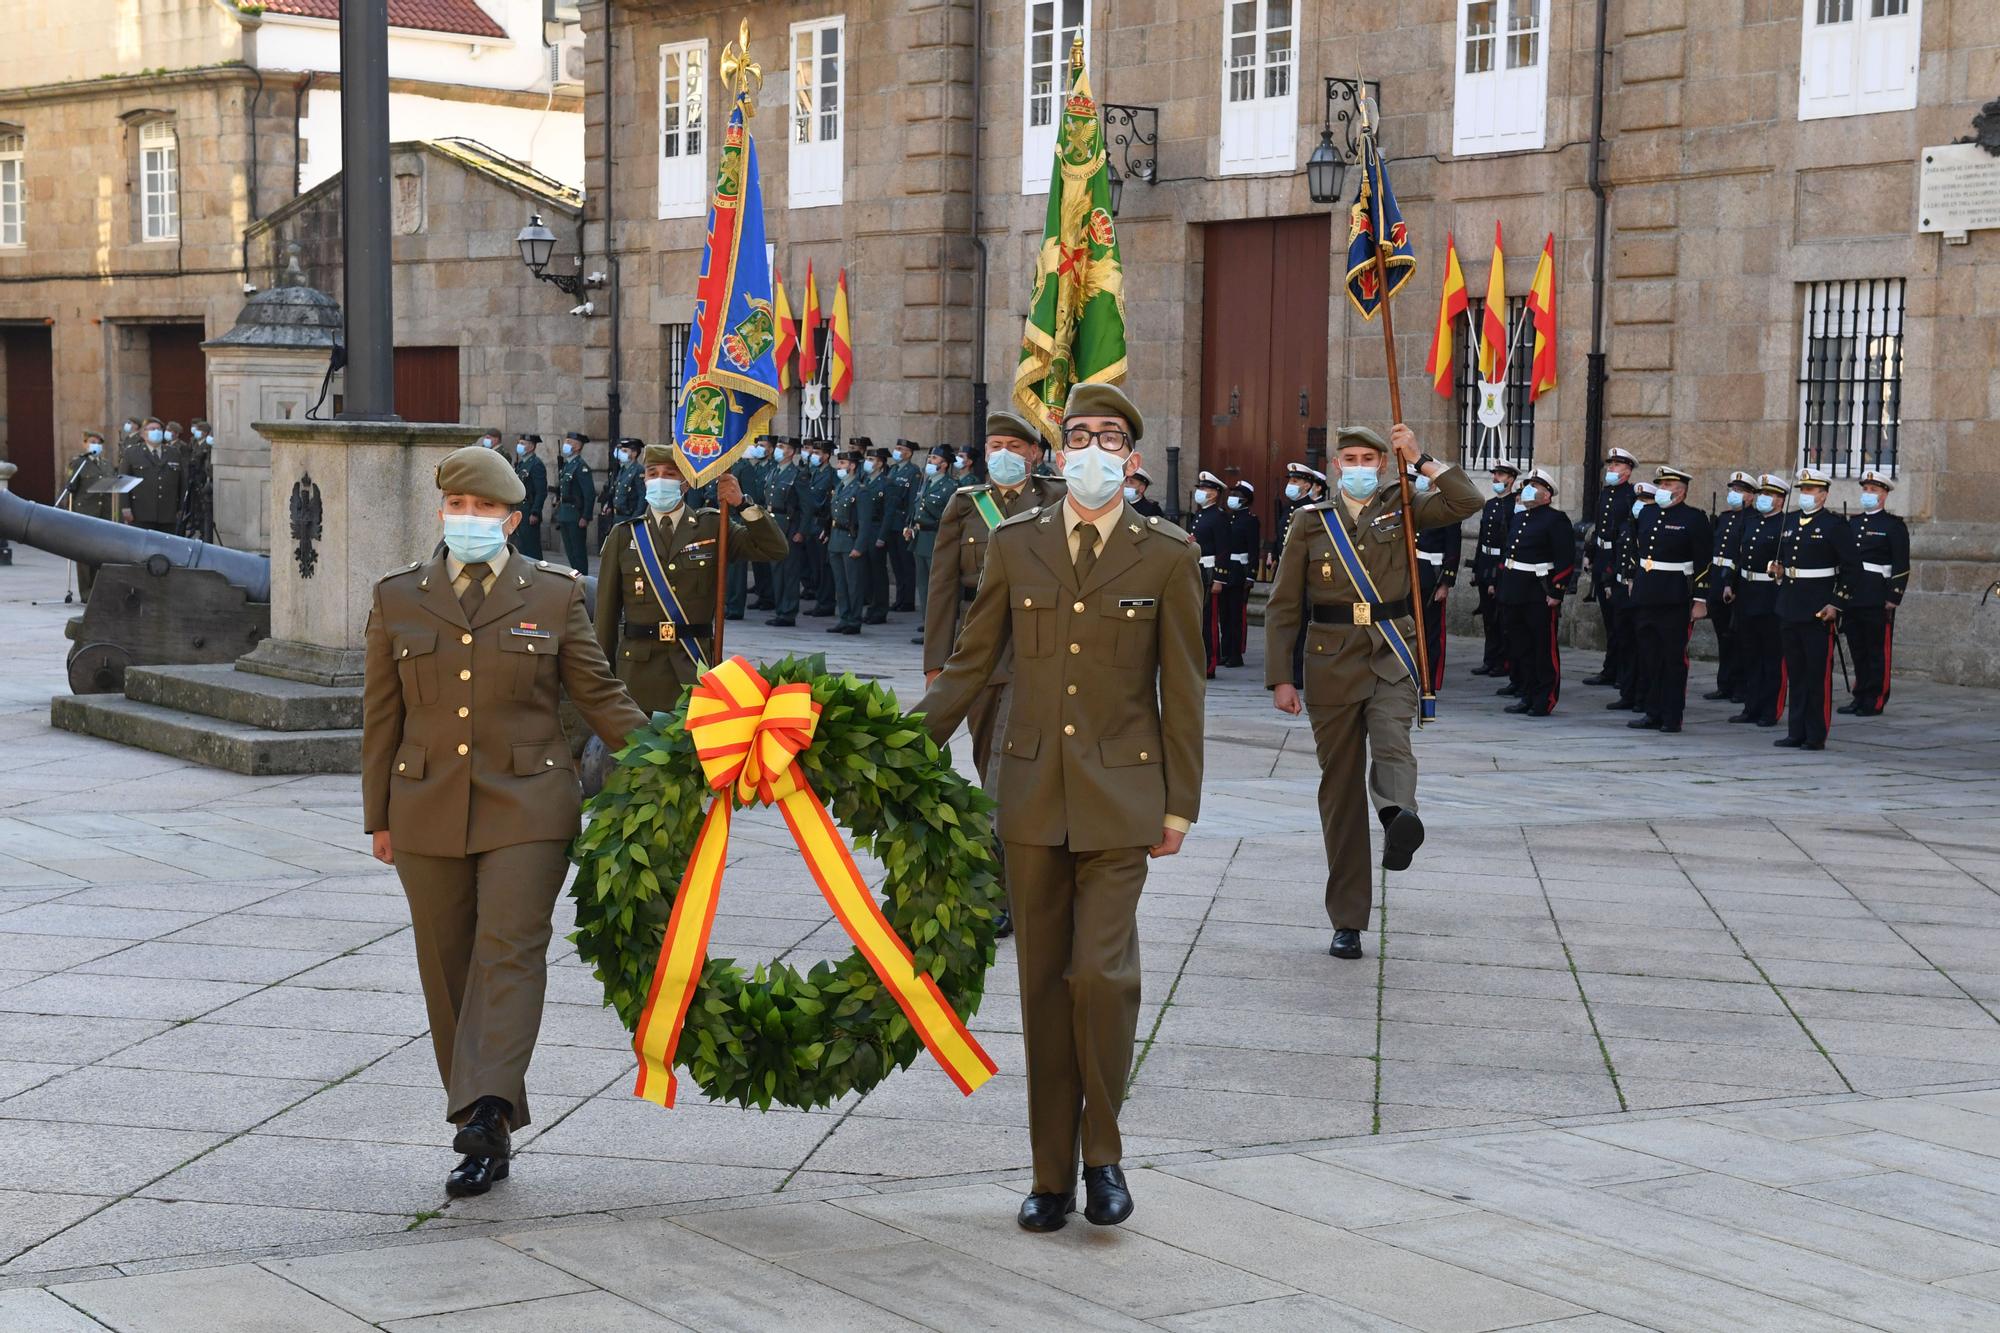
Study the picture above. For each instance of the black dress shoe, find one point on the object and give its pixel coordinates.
(850, 629)
(1859, 711)
(1716, 694)
(1813, 745)
(1004, 925)
(1520, 707)
(1621, 704)
(1600, 679)
(818, 614)
(474, 1175)
(1849, 709)
(1788, 743)
(904, 607)
(1046, 1212)
(733, 615)
(836, 629)
(917, 639)
(1403, 833)
(1742, 717)
(1482, 671)
(1670, 728)
(874, 620)
(484, 1133)
(1508, 691)
(1233, 662)
(1106, 1201)
(779, 622)
(1767, 721)
(763, 606)
(1540, 712)
(1645, 724)
(1346, 944)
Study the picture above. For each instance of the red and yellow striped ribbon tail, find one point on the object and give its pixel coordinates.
(748, 736)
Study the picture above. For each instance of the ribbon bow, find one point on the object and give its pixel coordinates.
(749, 736)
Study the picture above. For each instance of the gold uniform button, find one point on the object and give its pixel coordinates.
(465, 712)
(1142, 756)
(531, 647)
(1076, 647)
(1027, 601)
(464, 749)
(466, 674)
(1069, 729)
(406, 652)
(401, 767)
(1071, 690)
(1130, 613)
(550, 763)
(670, 569)
(1078, 608)
(465, 638)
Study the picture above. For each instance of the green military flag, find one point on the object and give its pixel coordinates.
(1076, 318)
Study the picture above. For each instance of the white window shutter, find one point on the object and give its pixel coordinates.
(1501, 100)
(817, 128)
(683, 147)
(1057, 21)
(1260, 107)
(1887, 78)
(1861, 63)
(1826, 66)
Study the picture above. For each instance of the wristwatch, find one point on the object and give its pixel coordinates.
(1423, 459)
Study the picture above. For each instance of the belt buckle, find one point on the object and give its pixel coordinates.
(666, 631)
(1647, 564)
(1364, 614)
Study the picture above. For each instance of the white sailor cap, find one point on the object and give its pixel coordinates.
(1618, 455)
(1774, 483)
(1813, 476)
(1207, 478)
(1877, 477)
(1743, 479)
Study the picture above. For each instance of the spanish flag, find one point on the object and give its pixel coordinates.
(809, 331)
(788, 333)
(1542, 310)
(1493, 320)
(840, 374)
(1443, 364)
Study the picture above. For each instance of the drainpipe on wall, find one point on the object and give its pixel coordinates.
(612, 403)
(979, 405)
(256, 99)
(1593, 420)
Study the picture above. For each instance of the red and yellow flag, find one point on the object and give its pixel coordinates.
(840, 374)
(1542, 310)
(809, 331)
(1443, 364)
(788, 332)
(1493, 320)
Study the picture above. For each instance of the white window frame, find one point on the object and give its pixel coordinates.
(159, 181)
(684, 130)
(1038, 141)
(1501, 77)
(1260, 90)
(817, 166)
(1864, 60)
(13, 189)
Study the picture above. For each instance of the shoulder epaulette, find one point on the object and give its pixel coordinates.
(1022, 517)
(410, 568)
(1159, 527)
(974, 488)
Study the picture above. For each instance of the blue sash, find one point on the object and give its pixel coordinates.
(670, 605)
(1350, 560)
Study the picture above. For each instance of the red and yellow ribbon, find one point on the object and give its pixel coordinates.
(748, 736)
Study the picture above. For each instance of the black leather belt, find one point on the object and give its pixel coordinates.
(1360, 613)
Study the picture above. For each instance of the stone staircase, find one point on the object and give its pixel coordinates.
(224, 717)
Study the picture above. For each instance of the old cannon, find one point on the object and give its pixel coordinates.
(158, 600)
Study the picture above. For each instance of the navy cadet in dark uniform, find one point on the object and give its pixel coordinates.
(1210, 530)
(576, 496)
(1882, 550)
(1298, 493)
(1537, 572)
(534, 475)
(1665, 577)
(1137, 481)
(748, 469)
(905, 477)
(1635, 671)
(1728, 527)
(932, 496)
(1607, 586)
(878, 503)
(825, 482)
(1245, 543)
(1489, 548)
(1815, 567)
(1753, 602)
(784, 487)
(1439, 552)
(850, 540)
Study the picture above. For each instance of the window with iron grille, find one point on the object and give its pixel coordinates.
(1513, 441)
(674, 350)
(1851, 375)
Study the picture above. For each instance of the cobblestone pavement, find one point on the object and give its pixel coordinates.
(1669, 1032)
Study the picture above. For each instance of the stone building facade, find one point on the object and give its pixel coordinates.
(1763, 265)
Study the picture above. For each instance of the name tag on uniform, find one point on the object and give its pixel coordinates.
(527, 631)
(1390, 522)
(700, 549)
(1124, 602)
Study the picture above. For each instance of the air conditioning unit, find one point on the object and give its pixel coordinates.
(566, 61)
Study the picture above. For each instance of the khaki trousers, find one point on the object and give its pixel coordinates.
(1076, 944)
(1376, 728)
(482, 934)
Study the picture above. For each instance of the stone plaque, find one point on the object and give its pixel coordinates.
(1958, 189)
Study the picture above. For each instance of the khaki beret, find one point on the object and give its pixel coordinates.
(481, 472)
(1346, 436)
(1012, 425)
(1104, 400)
(656, 453)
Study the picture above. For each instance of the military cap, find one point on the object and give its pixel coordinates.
(1298, 470)
(1667, 472)
(657, 453)
(1542, 477)
(1140, 475)
(860, 442)
(1743, 479)
(1617, 455)
(880, 451)
(1209, 479)
(1773, 483)
(1876, 477)
(632, 442)
(1104, 400)
(576, 435)
(532, 439)
(1507, 468)
(1345, 437)
(849, 454)
(1246, 488)
(1318, 477)
(946, 451)
(1643, 488)
(1812, 476)
(1012, 425)
(911, 445)
(480, 472)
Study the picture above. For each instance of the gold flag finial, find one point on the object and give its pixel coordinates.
(743, 76)
(1076, 53)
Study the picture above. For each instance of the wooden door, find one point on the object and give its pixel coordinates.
(179, 374)
(1264, 318)
(31, 436)
(427, 384)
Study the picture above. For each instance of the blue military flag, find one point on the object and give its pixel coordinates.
(1375, 214)
(729, 384)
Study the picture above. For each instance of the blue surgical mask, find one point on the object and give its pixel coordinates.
(1663, 498)
(1530, 494)
(1294, 491)
(1131, 495)
(1734, 499)
(520, 449)
(155, 436)
(1869, 501)
(930, 469)
(1423, 483)
(1611, 476)
(814, 460)
(1359, 482)
(472, 538)
(1095, 477)
(1766, 503)
(568, 450)
(1006, 468)
(94, 447)
(1235, 502)
(756, 452)
(1499, 488)
(663, 493)
(1808, 501)
(1637, 507)
(868, 466)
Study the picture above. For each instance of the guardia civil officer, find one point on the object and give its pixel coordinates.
(656, 580)
(932, 496)
(1607, 582)
(787, 491)
(468, 789)
(1815, 567)
(1489, 549)
(1753, 597)
(1102, 768)
(1137, 482)
(1242, 544)
(576, 496)
(1360, 694)
(1537, 572)
(851, 542)
(1210, 530)
(820, 457)
(1665, 577)
(1440, 550)
(878, 503)
(748, 469)
(89, 467)
(197, 508)
(1728, 526)
(534, 475)
(905, 478)
(1882, 558)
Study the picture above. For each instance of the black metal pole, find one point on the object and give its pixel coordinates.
(1593, 402)
(364, 211)
(614, 409)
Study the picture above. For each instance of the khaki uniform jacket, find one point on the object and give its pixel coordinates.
(95, 469)
(656, 670)
(1104, 740)
(1343, 662)
(959, 556)
(460, 748)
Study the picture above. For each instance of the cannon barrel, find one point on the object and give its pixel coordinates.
(96, 541)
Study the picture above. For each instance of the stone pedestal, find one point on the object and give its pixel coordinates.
(245, 385)
(349, 501)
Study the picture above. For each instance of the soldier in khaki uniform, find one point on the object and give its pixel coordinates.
(1359, 696)
(1101, 767)
(658, 650)
(468, 788)
(86, 470)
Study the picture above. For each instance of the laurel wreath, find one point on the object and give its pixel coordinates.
(774, 1035)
